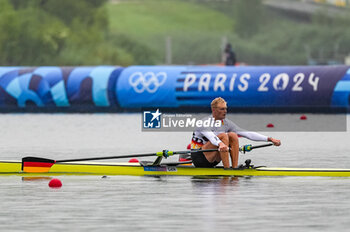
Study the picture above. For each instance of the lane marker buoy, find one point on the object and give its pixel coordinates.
(55, 183)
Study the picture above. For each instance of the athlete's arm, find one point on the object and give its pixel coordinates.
(232, 127)
(253, 135)
(212, 137)
(215, 140)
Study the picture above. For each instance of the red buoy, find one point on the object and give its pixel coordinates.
(303, 117)
(133, 160)
(55, 183)
(270, 125)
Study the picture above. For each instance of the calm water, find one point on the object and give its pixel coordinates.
(119, 203)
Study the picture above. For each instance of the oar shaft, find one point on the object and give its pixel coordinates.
(192, 151)
(263, 145)
(166, 153)
(106, 157)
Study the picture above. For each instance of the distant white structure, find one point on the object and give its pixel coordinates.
(341, 3)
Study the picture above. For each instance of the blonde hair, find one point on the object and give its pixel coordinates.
(216, 101)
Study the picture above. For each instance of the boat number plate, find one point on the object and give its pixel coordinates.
(160, 169)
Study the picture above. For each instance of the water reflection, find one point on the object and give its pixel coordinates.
(216, 183)
(36, 178)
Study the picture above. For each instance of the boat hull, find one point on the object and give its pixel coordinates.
(135, 169)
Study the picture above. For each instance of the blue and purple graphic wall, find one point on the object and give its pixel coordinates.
(125, 88)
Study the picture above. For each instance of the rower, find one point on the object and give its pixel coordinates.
(225, 138)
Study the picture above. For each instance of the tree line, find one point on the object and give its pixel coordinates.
(65, 32)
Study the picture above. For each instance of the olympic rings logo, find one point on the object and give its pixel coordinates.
(148, 81)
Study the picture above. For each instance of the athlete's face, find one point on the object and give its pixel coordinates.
(220, 111)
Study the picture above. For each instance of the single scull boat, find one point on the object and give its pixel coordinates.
(137, 169)
(34, 166)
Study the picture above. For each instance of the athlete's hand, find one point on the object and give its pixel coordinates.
(275, 142)
(223, 147)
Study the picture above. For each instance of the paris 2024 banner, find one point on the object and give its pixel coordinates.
(114, 88)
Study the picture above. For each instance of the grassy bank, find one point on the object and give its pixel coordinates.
(195, 30)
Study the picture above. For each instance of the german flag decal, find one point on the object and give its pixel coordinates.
(34, 164)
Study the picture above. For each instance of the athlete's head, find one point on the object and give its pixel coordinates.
(219, 108)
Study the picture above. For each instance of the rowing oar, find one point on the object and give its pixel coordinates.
(37, 164)
(249, 147)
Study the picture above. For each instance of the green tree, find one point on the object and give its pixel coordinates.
(65, 32)
(31, 37)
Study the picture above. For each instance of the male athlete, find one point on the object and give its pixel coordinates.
(221, 138)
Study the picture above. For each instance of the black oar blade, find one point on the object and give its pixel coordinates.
(36, 164)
